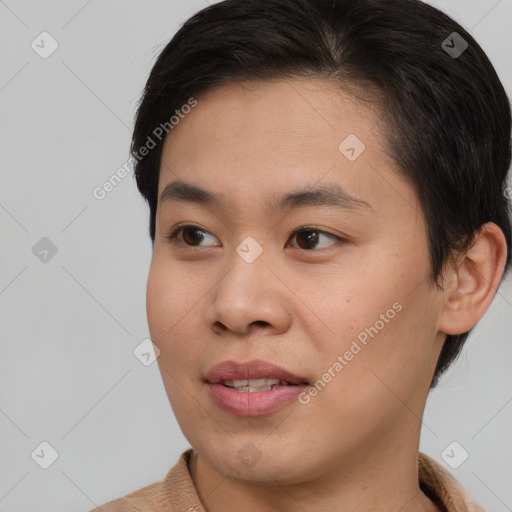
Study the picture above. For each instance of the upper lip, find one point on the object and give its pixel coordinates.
(254, 369)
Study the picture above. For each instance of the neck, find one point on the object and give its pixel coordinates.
(387, 487)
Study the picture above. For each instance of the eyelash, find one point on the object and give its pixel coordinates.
(173, 236)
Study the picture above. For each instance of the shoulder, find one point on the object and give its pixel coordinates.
(439, 483)
(142, 499)
(172, 494)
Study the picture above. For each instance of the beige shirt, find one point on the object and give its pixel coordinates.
(177, 493)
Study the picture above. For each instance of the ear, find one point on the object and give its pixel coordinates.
(474, 279)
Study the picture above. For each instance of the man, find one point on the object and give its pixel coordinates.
(327, 210)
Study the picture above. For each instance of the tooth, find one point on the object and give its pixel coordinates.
(255, 383)
(263, 388)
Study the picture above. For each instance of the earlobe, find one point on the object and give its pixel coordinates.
(476, 277)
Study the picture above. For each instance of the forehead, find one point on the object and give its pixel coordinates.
(247, 140)
(297, 110)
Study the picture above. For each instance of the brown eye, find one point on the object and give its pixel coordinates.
(307, 239)
(191, 236)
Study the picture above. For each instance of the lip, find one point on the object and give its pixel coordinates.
(258, 403)
(254, 369)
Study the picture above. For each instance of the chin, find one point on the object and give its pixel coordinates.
(240, 460)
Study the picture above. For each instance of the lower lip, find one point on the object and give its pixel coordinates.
(257, 403)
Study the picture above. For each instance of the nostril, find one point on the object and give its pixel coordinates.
(260, 322)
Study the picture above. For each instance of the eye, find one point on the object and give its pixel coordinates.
(191, 235)
(307, 237)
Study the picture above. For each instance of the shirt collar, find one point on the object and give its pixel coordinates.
(434, 480)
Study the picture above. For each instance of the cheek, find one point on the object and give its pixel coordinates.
(165, 305)
(158, 299)
(170, 295)
(353, 297)
(390, 351)
(172, 319)
(174, 302)
(382, 316)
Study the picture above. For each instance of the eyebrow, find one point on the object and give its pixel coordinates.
(325, 195)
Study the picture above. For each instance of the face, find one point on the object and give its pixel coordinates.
(345, 303)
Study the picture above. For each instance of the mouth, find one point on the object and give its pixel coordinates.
(254, 385)
(253, 388)
(255, 375)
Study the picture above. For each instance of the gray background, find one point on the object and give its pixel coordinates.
(69, 326)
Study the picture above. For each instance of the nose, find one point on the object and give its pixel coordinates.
(249, 298)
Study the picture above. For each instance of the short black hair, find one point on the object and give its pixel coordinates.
(445, 114)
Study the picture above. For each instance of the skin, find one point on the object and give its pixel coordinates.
(354, 446)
